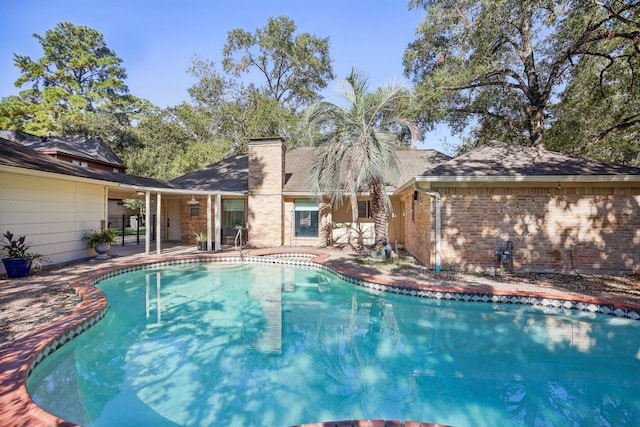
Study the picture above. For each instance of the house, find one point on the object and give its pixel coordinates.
(81, 151)
(90, 153)
(499, 206)
(549, 211)
(57, 203)
(266, 193)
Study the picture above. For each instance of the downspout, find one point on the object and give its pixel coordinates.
(436, 196)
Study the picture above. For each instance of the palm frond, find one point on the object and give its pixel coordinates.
(356, 144)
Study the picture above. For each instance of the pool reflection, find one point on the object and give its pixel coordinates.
(275, 345)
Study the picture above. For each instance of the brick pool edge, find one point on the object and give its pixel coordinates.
(19, 359)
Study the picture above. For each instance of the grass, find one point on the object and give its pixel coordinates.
(132, 231)
(394, 261)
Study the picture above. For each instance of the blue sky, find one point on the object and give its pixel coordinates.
(157, 40)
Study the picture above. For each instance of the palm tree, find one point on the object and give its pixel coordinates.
(356, 145)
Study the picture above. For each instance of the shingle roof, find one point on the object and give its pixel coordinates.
(228, 175)
(297, 163)
(232, 174)
(77, 146)
(17, 155)
(416, 162)
(410, 162)
(499, 159)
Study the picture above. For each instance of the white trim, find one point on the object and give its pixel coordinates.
(528, 178)
(218, 223)
(147, 228)
(56, 175)
(179, 191)
(209, 228)
(158, 223)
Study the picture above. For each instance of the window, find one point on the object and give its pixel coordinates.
(194, 211)
(306, 218)
(364, 209)
(232, 215)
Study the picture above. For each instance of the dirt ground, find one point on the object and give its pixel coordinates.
(30, 303)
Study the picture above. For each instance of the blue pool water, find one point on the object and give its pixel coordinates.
(274, 345)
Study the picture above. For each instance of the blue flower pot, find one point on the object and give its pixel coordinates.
(17, 267)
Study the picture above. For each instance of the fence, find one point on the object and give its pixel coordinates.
(131, 228)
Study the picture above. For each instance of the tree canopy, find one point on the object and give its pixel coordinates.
(295, 68)
(234, 111)
(167, 148)
(77, 75)
(503, 63)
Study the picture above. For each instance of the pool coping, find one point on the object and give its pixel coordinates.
(19, 359)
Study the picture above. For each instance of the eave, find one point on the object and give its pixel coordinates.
(502, 180)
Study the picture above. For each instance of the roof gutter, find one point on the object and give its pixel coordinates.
(59, 175)
(179, 191)
(530, 178)
(436, 196)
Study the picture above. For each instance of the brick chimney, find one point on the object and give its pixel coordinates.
(265, 202)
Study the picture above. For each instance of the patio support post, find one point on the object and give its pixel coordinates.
(147, 224)
(218, 222)
(436, 196)
(209, 245)
(158, 223)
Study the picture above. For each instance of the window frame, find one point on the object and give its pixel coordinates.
(364, 206)
(310, 210)
(227, 228)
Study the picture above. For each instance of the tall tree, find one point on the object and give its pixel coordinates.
(356, 145)
(502, 62)
(77, 74)
(295, 69)
(233, 111)
(599, 112)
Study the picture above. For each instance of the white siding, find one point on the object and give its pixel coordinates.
(345, 233)
(54, 214)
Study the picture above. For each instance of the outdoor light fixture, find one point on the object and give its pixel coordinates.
(192, 201)
(140, 193)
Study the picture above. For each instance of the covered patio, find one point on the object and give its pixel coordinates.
(157, 201)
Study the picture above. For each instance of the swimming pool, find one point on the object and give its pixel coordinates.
(278, 345)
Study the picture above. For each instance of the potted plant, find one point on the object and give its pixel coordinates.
(19, 259)
(380, 250)
(201, 238)
(101, 241)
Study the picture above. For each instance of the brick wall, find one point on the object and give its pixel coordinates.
(265, 202)
(417, 223)
(191, 225)
(324, 226)
(552, 229)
